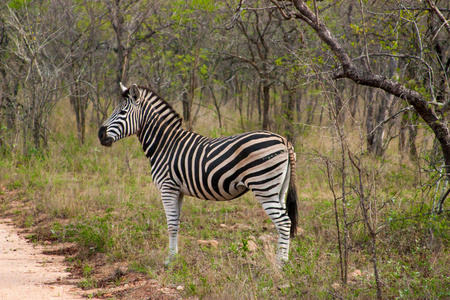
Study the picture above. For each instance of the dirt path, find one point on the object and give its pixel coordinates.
(26, 273)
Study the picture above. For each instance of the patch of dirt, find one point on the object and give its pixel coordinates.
(134, 286)
(26, 273)
(63, 249)
(115, 281)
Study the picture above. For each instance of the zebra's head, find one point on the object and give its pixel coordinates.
(124, 120)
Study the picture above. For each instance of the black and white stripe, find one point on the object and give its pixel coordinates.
(186, 163)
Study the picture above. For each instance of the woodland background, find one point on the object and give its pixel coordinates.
(360, 87)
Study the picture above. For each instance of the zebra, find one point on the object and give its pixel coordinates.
(186, 163)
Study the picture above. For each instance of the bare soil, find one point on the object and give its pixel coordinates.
(27, 273)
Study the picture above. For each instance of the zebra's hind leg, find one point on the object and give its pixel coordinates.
(280, 219)
(172, 201)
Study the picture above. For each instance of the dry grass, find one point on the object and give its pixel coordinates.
(104, 200)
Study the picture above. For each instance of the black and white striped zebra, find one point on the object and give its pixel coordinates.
(186, 163)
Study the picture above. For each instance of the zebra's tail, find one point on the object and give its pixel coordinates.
(292, 197)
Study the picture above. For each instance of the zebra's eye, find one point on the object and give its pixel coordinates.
(123, 112)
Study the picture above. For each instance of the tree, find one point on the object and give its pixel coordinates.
(80, 45)
(362, 74)
(32, 35)
(9, 85)
(259, 28)
(126, 18)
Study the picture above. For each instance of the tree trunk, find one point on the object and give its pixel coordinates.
(79, 102)
(240, 103)
(187, 110)
(266, 106)
(290, 115)
(298, 105)
(217, 107)
(36, 130)
(371, 95)
(117, 22)
(353, 103)
(412, 131)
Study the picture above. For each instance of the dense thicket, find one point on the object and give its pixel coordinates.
(274, 69)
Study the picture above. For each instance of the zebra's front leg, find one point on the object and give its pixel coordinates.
(172, 201)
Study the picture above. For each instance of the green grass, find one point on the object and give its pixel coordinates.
(103, 199)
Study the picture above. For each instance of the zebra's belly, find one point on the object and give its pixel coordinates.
(216, 193)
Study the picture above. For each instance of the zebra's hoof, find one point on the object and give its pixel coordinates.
(169, 260)
(281, 263)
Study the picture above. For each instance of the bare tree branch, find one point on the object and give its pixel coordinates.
(446, 23)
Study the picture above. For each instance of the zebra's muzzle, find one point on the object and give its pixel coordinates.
(103, 137)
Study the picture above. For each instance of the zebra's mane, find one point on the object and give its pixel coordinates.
(164, 110)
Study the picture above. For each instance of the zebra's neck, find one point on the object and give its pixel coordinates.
(158, 120)
(153, 106)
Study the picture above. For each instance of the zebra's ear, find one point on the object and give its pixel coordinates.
(124, 88)
(135, 93)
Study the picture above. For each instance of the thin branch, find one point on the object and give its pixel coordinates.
(390, 118)
(286, 15)
(316, 11)
(244, 59)
(260, 8)
(367, 62)
(331, 186)
(441, 17)
(329, 5)
(441, 202)
(418, 9)
(382, 226)
(335, 295)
